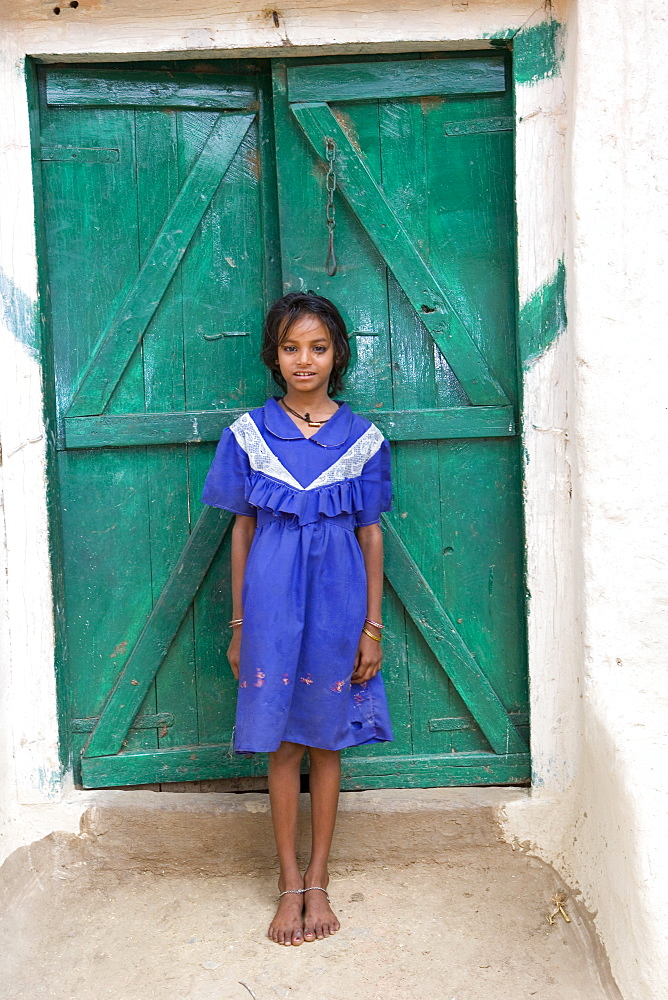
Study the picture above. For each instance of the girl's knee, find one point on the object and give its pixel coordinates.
(288, 753)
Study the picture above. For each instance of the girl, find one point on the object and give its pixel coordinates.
(307, 479)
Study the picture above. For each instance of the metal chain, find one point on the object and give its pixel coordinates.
(331, 265)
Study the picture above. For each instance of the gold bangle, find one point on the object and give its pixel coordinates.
(378, 638)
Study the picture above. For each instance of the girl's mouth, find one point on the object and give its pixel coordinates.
(304, 374)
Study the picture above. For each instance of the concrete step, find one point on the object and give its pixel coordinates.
(146, 828)
(170, 896)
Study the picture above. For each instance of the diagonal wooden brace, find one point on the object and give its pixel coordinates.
(427, 296)
(445, 642)
(126, 330)
(153, 644)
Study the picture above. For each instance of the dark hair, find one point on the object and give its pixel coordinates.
(284, 313)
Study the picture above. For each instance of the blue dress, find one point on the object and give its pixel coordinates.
(304, 591)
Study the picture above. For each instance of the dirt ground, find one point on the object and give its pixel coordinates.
(471, 925)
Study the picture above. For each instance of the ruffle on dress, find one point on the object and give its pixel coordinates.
(306, 506)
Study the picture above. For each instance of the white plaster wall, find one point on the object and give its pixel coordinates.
(619, 305)
(553, 640)
(29, 740)
(605, 822)
(97, 28)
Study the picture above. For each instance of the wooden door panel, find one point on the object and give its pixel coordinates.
(446, 643)
(161, 224)
(128, 325)
(227, 268)
(362, 295)
(216, 688)
(439, 218)
(90, 217)
(430, 299)
(420, 368)
(159, 180)
(104, 512)
(147, 655)
(472, 210)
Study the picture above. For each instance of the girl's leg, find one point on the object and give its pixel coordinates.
(284, 764)
(325, 780)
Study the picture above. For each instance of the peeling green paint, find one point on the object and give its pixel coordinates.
(48, 782)
(501, 38)
(538, 52)
(542, 318)
(18, 312)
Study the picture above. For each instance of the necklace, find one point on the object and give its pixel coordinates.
(307, 416)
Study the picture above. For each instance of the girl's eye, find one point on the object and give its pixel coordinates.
(320, 349)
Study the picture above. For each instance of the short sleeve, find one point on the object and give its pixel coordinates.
(225, 484)
(376, 481)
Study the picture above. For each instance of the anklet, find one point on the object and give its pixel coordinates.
(287, 892)
(317, 887)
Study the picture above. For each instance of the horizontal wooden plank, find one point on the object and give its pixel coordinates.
(203, 763)
(125, 430)
(437, 425)
(196, 763)
(412, 78)
(111, 88)
(79, 154)
(158, 721)
(435, 772)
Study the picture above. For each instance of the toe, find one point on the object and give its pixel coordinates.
(297, 937)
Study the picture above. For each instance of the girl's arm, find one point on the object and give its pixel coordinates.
(369, 652)
(243, 531)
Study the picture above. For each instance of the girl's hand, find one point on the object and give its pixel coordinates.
(368, 661)
(233, 651)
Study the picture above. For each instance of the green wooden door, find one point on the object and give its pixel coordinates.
(422, 158)
(163, 247)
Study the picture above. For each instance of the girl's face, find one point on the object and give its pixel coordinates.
(306, 355)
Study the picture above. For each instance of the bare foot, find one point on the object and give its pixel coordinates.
(319, 919)
(286, 927)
